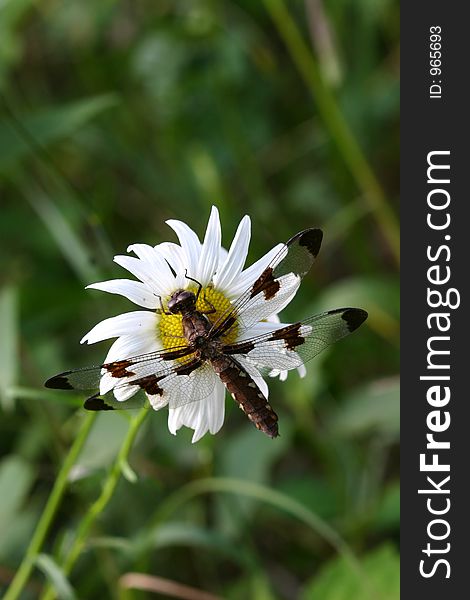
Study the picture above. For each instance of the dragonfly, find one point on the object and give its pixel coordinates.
(184, 372)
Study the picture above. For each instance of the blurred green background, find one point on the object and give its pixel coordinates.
(116, 116)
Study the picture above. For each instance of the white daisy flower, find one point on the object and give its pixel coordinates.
(161, 271)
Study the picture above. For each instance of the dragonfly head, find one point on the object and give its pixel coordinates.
(181, 301)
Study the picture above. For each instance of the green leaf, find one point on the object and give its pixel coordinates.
(11, 42)
(56, 577)
(16, 523)
(313, 492)
(9, 335)
(186, 534)
(16, 477)
(247, 456)
(62, 231)
(103, 443)
(388, 513)
(336, 581)
(20, 136)
(373, 407)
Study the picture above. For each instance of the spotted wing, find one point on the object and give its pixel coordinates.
(275, 286)
(291, 346)
(171, 377)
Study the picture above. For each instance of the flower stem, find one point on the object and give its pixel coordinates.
(53, 502)
(100, 503)
(337, 125)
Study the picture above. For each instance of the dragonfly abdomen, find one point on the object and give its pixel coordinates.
(247, 394)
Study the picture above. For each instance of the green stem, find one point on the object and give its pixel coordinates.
(39, 536)
(100, 503)
(337, 125)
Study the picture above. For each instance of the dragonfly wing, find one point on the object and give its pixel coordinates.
(291, 346)
(276, 285)
(172, 377)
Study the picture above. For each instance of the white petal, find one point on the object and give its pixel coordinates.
(143, 251)
(125, 392)
(157, 275)
(272, 324)
(274, 356)
(199, 431)
(186, 389)
(188, 413)
(176, 258)
(206, 414)
(254, 374)
(235, 261)
(128, 346)
(259, 309)
(107, 382)
(276, 373)
(211, 415)
(209, 257)
(216, 408)
(135, 291)
(134, 323)
(251, 274)
(190, 244)
(259, 329)
(222, 257)
(287, 298)
(157, 402)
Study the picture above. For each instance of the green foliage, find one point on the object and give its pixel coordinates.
(55, 575)
(16, 480)
(375, 407)
(115, 117)
(335, 582)
(26, 134)
(9, 327)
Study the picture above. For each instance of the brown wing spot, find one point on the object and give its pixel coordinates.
(59, 382)
(240, 348)
(311, 239)
(229, 322)
(290, 335)
(96, 403)
(266, 284)
(150, 385)
(189, 368)
(118, 369)
(354, 317)
(179, 353)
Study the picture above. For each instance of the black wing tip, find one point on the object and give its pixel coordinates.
(95, 403)
(311, 239)
(354, 318)
(59, 382)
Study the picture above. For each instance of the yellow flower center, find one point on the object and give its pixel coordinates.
(170, 327)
